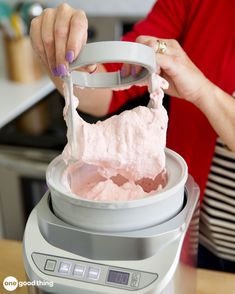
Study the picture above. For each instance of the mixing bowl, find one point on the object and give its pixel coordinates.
(110, 216)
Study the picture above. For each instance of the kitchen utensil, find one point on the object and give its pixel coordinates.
(114, 52)
(5, 24)
(103, 52)
(29, 10)
(115, 215)
(18, 25)
(71, 111)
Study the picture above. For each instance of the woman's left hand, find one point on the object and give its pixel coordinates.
(188, 82)
(185, 79)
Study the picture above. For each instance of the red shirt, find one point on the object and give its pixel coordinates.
(206, 31)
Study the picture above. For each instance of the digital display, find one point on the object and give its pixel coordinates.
(118, 277)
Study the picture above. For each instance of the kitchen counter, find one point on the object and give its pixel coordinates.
(18, 97)
(11, 264)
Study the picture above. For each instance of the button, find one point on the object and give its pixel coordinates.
(135, 280)
(50, 265)
(134, 283)
(79, 270)
(64, 267)
(93, 273)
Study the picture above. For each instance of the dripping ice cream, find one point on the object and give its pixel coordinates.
(121, 158)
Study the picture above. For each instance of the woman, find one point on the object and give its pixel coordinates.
(197, 56)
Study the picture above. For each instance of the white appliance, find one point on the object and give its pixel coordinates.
(142, 246)
(157, 259)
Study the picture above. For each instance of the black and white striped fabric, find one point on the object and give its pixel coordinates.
(217, 221)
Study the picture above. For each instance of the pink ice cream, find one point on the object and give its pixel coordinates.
(121, 158)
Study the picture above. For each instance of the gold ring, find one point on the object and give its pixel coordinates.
(162, 46)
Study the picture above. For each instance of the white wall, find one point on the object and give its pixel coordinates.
(105, 7)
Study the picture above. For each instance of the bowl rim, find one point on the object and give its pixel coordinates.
(152, 198)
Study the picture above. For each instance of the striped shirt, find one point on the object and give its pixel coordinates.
(217, 222)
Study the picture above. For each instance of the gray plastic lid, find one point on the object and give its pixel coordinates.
(113, 52)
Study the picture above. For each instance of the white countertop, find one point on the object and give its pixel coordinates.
(15, 98)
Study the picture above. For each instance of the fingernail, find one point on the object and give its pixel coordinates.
(92, 69)
(133, 71)
(70, 56)
(62, 70)
(55, 72)
(123, 72)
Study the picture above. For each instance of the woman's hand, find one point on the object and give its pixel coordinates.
(57, 37)
(188, 82)
(185, 79)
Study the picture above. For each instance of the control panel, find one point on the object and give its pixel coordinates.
(95, 273)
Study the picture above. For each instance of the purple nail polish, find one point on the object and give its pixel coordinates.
(123, 72)
(70, 56)
(133, 71)
(62, 70)
(55, 72)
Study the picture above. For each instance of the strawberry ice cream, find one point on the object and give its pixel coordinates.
(121, 158)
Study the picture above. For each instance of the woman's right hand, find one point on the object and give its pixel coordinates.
(57, 36)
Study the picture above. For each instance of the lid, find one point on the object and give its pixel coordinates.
(113, 52)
